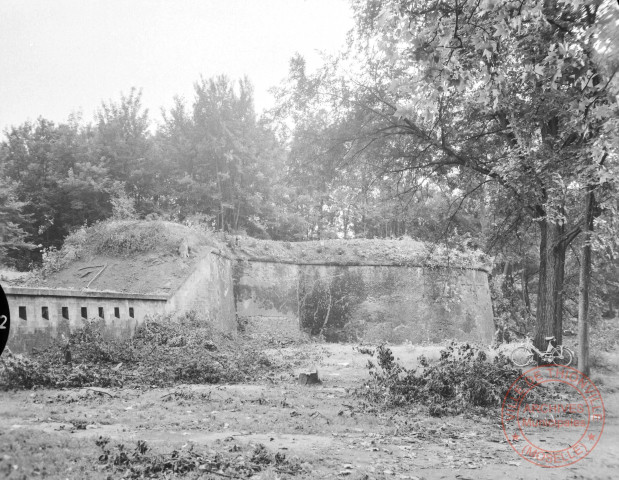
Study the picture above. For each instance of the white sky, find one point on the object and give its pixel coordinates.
(62, 56)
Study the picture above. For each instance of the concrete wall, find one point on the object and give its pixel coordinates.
(396, 304)
(267, 298)
(35, 331)
(208, 290)
(365, 302)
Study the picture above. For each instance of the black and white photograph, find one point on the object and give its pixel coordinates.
(309, 239)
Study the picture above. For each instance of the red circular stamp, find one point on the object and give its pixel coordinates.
(553, 416)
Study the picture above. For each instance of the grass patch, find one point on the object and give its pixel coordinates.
(404, 251)
(26, 454)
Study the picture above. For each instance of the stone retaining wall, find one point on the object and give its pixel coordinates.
(365, 302)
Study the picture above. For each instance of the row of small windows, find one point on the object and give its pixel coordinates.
(64, 311)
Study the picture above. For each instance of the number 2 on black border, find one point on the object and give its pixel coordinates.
(5, 320)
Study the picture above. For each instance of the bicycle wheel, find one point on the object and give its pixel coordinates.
(564, 359)
(522, 356)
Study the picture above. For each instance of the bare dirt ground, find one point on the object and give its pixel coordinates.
(52, 433)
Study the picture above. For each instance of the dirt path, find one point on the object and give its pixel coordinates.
(323, 425)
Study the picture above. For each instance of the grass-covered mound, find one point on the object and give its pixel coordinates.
(139, 256)
(125, 238)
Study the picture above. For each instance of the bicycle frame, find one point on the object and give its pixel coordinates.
(550, 353)
(553, 354)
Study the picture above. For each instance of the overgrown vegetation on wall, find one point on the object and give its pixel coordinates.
(121, 238)
(403, 251)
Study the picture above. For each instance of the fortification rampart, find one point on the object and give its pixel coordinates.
(280, 298)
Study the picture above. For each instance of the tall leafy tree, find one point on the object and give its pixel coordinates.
(54, 179)
(13, 238)
(222, 159)
(121, 143)
(607, 53)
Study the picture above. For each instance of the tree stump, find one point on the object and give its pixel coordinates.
(309, 378)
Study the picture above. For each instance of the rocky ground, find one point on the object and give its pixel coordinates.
(319, 431)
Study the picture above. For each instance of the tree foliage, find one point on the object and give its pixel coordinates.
(12, 236)
(222, 160)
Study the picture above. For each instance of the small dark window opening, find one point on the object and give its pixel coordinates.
(65, 313)
(45, 313)
(22, 313)
(117, 312)
(131, 312)
(84, 312)
(101, 314)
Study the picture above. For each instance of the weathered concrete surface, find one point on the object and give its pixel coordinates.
(366, 303)
(266, 297)
(396, 304)
(38, 332)
(209, 291)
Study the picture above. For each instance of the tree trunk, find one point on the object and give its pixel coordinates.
(559, 266)
(549, 319)
(237, 217)
(484, 219)
(508, 279)
(585, 283)
(524, 280)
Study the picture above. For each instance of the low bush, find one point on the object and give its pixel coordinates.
(21, 372)
(163, 351)
(463, 378)
(142, 462)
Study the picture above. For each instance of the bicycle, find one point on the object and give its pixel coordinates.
(557, 355)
